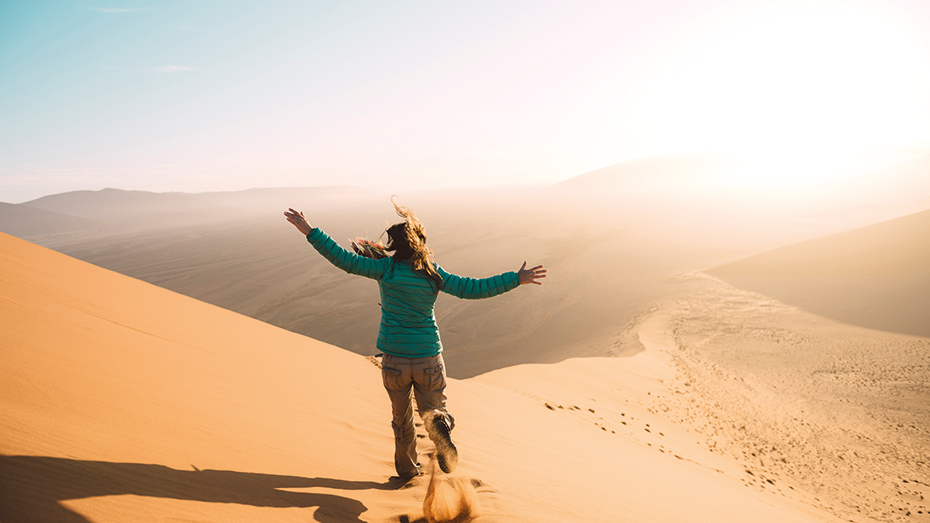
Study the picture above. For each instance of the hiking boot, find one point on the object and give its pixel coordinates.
(410, 475)
(441, 434)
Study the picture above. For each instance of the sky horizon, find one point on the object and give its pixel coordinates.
(175, 96)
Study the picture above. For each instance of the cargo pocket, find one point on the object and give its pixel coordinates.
(392, 378)
(435, 378)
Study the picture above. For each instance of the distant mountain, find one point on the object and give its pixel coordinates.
(876, 276)
(702, 175)
(130, 207)
(120, 207)
(278, 199)
(659, 173)
(26, 222)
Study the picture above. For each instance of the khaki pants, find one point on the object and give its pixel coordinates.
(425, 379)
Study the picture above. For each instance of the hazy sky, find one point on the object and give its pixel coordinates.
(226, 95)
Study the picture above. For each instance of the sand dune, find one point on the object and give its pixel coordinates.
(122, 401)
(123, 389)
(877, 276)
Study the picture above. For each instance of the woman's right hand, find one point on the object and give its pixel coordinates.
(531, 275)
(298, 220)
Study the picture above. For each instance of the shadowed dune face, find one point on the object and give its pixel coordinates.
(33, 487)
(876, 277)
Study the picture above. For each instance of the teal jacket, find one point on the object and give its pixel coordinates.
(408, 323)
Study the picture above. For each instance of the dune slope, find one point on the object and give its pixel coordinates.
(876, 276)
(115, 393)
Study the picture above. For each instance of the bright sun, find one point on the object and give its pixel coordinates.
(796, 89)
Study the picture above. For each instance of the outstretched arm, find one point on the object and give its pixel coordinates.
(337, 255)
(531, 275)
(477, 288)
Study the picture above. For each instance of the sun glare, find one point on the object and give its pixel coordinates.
(795, 91)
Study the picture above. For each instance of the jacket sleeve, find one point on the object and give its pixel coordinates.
(347, 260)
(474, 288)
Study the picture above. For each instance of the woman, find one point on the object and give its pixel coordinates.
(408, 337)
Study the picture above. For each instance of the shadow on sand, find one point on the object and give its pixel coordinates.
(31, 488)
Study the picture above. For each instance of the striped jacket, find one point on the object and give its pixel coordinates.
(408, 323)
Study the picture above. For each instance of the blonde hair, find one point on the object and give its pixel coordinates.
(414, 235)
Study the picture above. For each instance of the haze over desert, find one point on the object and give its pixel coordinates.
(726, 206)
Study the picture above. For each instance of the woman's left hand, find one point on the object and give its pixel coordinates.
(531, 275)
(297, 218)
